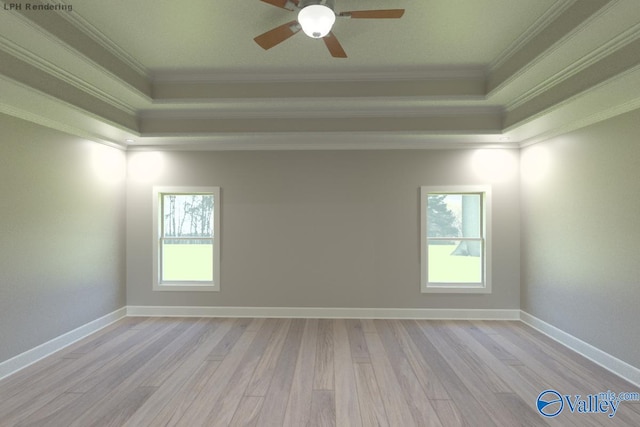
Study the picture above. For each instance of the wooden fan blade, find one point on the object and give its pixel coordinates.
(374, 14)
(283, 4)
(277, 35)
(334, 46)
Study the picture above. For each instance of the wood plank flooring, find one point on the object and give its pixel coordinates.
(307, 372)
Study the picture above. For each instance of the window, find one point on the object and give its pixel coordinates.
(186, 246)
(455, 237)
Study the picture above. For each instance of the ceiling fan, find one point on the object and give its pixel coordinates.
(315, 19)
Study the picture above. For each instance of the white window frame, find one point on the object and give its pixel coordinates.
(471, 288)
(213, 285)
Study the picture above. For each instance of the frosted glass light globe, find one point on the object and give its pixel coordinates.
(316, 20)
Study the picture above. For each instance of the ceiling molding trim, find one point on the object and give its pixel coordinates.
(486, 123)
(542, 45)
(73, 39)
(407, 89)
(59, 126)
(40, 82)
(610, 98)
(431, 73)
(534, 29)
(579, 124)
(91, 31)
(615, 66)
(326, 141)
(325, 113)
(617, 43)
(60, 74)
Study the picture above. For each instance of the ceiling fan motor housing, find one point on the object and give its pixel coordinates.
(328, 3)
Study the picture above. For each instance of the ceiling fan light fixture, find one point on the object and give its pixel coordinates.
(317, 18)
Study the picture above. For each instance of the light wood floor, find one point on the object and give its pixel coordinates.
(295, 372)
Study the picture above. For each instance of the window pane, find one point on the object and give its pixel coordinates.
(187, 215)
(190, 260)
(455, 261)
(454, 215)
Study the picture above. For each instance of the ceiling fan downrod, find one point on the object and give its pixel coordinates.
(327, 3)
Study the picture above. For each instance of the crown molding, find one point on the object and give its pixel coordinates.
(471, 123)
(605, 100)
(57, 125)
(512, 67)
(322, 141)
(627, 37)
(37, 82)
(414, 108)
(63, 75)
(284, 75)
(530, 33)
(615, 66)
(91, 31)
(26, 102)
(584, 122)
(399, 89)
(324, 110)
(74, 39)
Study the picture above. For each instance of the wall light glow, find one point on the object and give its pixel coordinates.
(534, 164)
(145, 166)
(494, 165)
(108, 163)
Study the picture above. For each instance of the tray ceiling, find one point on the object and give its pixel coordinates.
(447, 74)
(218, 36)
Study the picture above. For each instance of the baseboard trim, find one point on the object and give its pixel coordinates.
(324, 312)
(600, 357)
(30, 357)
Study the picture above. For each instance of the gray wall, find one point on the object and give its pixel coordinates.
(62, 246)
(321, 228)
(581, 236)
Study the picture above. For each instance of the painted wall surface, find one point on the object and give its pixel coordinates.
(62, 225)
(319, 228)
(581, 234)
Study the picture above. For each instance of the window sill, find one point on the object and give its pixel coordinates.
(187, 288)
(455, 289)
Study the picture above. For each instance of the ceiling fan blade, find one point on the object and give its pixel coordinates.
(334, 46)
(277, 35)
(283, 4)
(373, 14)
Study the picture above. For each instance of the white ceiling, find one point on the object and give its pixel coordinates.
(217, 36)
(447, 74)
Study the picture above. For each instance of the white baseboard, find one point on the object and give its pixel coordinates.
(604, 359)
(324, 313)
(29, 357)
(607, 361)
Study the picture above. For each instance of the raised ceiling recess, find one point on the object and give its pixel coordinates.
(190, 75)
(316, 19)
